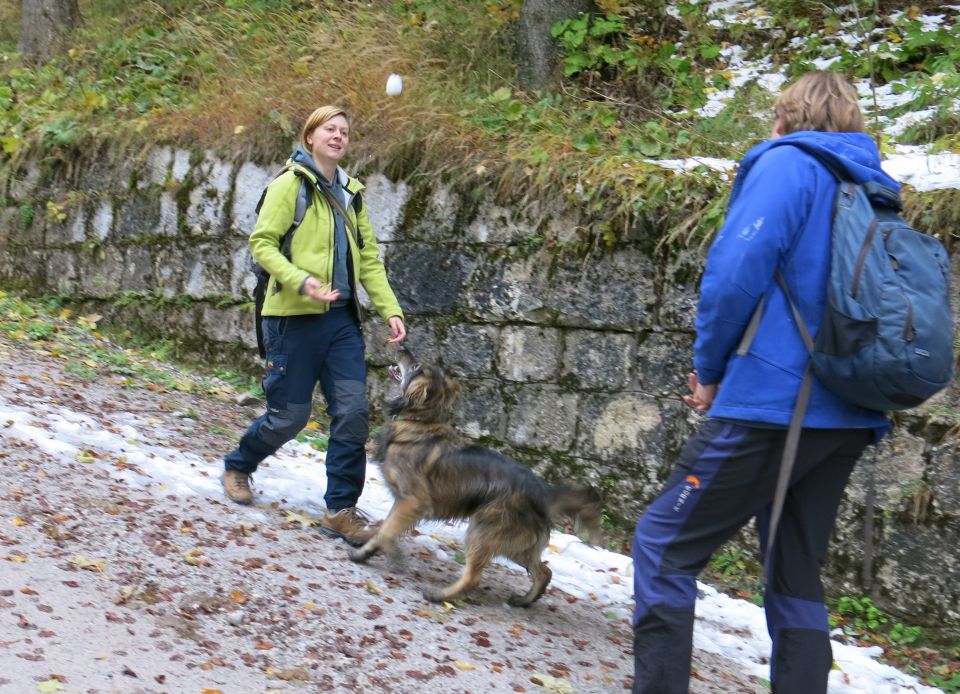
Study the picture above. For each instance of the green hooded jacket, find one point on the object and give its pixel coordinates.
(312, 248)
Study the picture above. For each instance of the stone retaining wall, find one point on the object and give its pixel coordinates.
(574, 361)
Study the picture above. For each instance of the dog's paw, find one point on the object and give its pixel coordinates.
(520, 601)
(433, 596)
(358, 555)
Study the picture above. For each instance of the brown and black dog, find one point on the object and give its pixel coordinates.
(435, 475)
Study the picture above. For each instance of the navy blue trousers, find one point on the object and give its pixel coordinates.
(725, 476)
(303, 351)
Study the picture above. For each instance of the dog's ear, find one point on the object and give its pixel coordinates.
(451, 389)
(417, 393)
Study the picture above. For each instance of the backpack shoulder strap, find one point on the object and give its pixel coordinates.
(830, 163)
(303, 202)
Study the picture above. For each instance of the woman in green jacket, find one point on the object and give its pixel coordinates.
(311, 320)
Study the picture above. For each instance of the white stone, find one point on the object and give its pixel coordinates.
(384, 202)
(103, 220)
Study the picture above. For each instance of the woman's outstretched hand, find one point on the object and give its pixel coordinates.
(397, 330)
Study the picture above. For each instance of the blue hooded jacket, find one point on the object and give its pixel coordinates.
(779, 218)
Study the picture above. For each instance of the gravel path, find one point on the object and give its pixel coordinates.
(107, 586)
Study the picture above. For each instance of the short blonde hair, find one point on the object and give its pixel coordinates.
(319, 116)
(820, 100)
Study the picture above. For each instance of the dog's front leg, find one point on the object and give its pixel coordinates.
(403, 517)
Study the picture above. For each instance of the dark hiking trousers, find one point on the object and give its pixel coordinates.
(725, 476)
(302, 351)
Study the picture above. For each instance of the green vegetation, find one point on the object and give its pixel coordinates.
(45, 325)
(925, 653)
(910, 648)
(238, 78)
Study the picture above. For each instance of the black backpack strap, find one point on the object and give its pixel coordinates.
(793, 432)
(259, 292)
(792, 441)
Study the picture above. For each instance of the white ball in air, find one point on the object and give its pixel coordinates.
(394, 85)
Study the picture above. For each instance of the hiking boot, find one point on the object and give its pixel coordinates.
(237, 486)
(349, 524)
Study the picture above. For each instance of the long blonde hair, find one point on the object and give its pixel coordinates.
(319, 116)
(820, 100)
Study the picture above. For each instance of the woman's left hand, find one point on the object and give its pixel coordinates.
(397, 330)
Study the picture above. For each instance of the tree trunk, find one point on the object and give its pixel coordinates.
(536, 50)
(44, 27)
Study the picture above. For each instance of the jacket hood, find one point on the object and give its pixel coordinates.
(853, 153)
(303, 158)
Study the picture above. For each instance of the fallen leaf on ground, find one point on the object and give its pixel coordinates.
(194, 557)
(301, 518)
(90, 564)
(373, 588)
(552, 684)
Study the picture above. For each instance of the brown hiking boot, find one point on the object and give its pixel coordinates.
(237, 486)
(350, 524)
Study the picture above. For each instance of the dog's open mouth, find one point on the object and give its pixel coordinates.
(396, 372)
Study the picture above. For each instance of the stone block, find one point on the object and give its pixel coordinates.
(384, 201)
(23, 181)
(611, 290)
(897, 467)
(180, 166)
(60, 272)
(212, 180)
(681, 292)
(207, 271)
(102, 220)
(468, 350)
(242, 280)
(543, 417)
(226, 325)
(511, 288)
(495, 224)
(247, 188)
(600, 360)
(139, 215)
(169, 270)
(99, 274)
(528, 354)
(944, 475)
(156, 168)
(428, 278)
(478, 410)
(919, 573)
(429, 215)
(167, 223)
(663, 362)
(137, 270)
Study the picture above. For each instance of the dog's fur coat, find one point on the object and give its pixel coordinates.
(434, 474)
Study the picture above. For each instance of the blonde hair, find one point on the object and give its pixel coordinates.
(820, 100)
(319, 116)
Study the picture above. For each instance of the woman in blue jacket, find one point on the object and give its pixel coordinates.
(779, 219)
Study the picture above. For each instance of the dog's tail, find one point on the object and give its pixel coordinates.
(581, 504)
